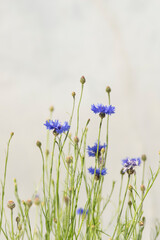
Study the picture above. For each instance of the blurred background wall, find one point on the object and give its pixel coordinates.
(46, 46)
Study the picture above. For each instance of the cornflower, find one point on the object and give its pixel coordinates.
(92, 151)
(56, 126)
(129, 164)
(103, 109)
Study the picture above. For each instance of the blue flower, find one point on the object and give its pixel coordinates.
(100, 108)
(130, 163)
(99, 171)
(92, 151)
(56, 126)
(81, 211)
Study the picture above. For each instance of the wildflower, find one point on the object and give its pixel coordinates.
(81, 211)
(98, 172)
(29, 203)
(102, 109)
(92, 151)
(56, 126)
(108, 89)
(129, 164)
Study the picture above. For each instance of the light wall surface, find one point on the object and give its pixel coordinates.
(45, 47)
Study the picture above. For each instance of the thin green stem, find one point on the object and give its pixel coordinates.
(4, 181)
(120, 213)
(79, 109)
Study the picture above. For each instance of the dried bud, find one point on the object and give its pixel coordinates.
(76, 139)
(39, 144)
(130, 188)
(143, 188)
(73, 94)
(51, 109)
(82, 80)
(108, 89)
(29, 203)
(69, 159)
(11, 204)
(144, 157)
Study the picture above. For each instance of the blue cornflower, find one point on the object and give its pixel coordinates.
(100, 108)
(99, 172)
(92, 151)
(129, 164)
(81, 211)
(56, 126)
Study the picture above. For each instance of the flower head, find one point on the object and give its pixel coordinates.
(102, 109)
(99, 171)
(130, 163)
(56, 126)
(81, 211)
(92, 151)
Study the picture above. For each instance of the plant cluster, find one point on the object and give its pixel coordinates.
(62, 217)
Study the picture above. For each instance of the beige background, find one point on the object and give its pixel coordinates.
(45, 47)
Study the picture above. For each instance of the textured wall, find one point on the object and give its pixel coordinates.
(45, 47)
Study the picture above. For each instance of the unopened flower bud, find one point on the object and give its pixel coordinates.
(130, 187)
(17, 219)
(11, 204)
(37, 200)
(122, 171)
(144, 157)
(73, 94)
(141, 223)
(55, 220)
(143, 188)
(29, 203)
(82, 80)
(47, 152)
(51, 108)
(102, 151)
(19, 227)
(97, 177)
(130, 203)
(108, 89)
(76, 139)
(39, 144)
(69, 159)
(66, 199)
(12, 133)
